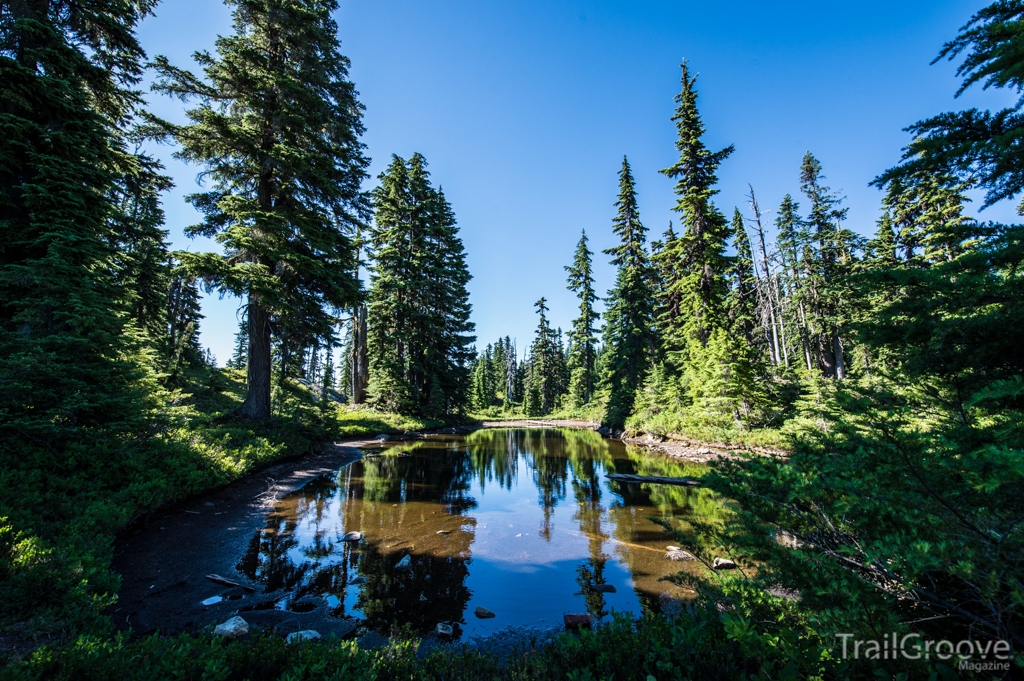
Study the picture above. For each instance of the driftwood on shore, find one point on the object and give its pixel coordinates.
(654, 479)
(227, 582)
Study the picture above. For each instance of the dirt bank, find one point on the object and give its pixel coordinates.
(163, 559)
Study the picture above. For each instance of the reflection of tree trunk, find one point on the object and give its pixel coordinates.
(360, 370)
(257, 396)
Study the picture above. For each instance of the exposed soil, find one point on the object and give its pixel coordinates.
(164, 558)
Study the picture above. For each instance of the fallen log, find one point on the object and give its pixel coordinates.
(654, 479)
(227, 582)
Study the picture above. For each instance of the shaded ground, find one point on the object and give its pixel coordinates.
(163, 560)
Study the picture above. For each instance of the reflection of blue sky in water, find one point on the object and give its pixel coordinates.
(521, 522)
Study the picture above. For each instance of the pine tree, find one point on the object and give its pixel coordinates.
(419, 309)
(68, 359)
(827, 260)
(693, 264)
(981, 146)
(582, 337)
(183, 315)
(742, 298)
(238, 357)
(628, 329)
(547, 367)
(276, 129)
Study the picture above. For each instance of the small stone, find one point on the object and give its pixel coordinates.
(212, 599)
(603, 588)
(724, 564)
(443, 532)
(405, 563)
(382, 438)
(422, 597)
(358, 580)
(483, 613)
(573, 622)
(232, 628)
(353, 536)
(304, 635)
(444, 629)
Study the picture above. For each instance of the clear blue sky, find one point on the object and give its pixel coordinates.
(525, 109)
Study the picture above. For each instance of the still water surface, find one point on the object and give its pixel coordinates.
(522, 522)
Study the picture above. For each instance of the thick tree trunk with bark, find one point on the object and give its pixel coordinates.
(257, 396)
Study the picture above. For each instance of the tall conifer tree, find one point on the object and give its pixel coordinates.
(582, 337)
(67, 71)
(419, 342)
(628, 329)
(694, 263)
(276, 129)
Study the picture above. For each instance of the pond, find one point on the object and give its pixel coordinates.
(521, 522)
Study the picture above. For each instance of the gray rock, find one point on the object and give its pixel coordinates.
(676, 553)
(357, 581)
(603, 588)
(724, 564)
(304, 635)
(232, 628)
(353, 536)
(382, 437)
(212, 599)
(483, 613)
(405, 563)
(444, 629)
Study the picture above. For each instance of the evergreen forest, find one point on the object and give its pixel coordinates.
(875, 383)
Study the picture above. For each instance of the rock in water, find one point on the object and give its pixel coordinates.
(483, 613)
(603, 588)
(444, 629)
(575, 622)
(353, 536)
(305, 635)
(676, 553)
(357, 581)
(382, 437)
(232, 628)
(405, 563)
(724, 564)
(442, 532)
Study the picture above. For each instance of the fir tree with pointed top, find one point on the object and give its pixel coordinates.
(827, 258)
(693, 264)
(419, 344)
(742, 302)
(582, 336)
(628, 329)
(277, 130)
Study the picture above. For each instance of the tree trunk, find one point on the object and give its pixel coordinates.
(257, 396)
(837, 350)
(360, 370)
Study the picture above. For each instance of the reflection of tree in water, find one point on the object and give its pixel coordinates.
(324, 564)
(495, 456)
(433, 589)
(589, 512)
